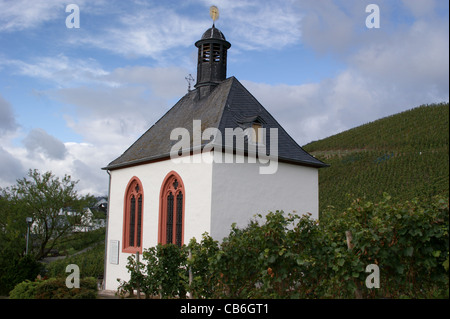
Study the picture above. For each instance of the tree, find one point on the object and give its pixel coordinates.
(53, 204)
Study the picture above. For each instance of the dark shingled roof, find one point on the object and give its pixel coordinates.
(229, 105)
(213, 33)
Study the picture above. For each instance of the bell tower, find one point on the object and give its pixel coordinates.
(212, 57)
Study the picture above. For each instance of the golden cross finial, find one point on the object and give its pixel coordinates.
(214, 13)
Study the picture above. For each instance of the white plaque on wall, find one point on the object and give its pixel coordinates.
(114, 252)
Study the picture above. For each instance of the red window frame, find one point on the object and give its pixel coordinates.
(171, 203)
(133, 217)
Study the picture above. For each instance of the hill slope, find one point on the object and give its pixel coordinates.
(405, 155)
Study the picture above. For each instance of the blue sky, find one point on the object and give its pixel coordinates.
(72, 100)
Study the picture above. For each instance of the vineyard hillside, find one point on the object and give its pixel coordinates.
(405, 155)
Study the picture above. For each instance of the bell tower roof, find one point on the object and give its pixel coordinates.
(213, 33)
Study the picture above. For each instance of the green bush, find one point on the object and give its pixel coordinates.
(291, 256)
(165, 272)
(15, 270)
(265, 260)
(55, 288)
(204, 278)
(409, 242)
(24, 290)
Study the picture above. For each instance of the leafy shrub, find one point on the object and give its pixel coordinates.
(409, 242)
(266, 260)
(291, 256)
(24, 290)
(165, 273)
(204, 278)
(15, 270)
(55, 288)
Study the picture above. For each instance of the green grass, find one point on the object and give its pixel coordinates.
(74, 242)
(405, 155)
(91, 263)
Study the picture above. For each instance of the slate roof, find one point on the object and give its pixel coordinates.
(229, 105)
(213, 33)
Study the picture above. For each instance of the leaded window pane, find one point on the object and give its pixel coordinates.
(139, 221)
(179, 226)
(132, 220)
(169, 225)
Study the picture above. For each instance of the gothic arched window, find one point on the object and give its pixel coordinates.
(171, 210)
(132, 217)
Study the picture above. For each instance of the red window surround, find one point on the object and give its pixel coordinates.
(171, 210)
(133, 217)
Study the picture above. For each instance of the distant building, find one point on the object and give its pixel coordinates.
(102, 204)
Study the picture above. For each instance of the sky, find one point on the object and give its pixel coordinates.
(74, 99)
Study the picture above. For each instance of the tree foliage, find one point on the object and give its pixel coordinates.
(53, 204)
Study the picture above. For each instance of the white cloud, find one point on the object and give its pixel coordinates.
(414, 62)
(39, 141)
(316, 110)
(327, 28)
(17, 15)
(22, 14)
(10, 168)
(59, 69)
(7, 119)
(420, 8)
(145, 29)
(140, 95)
(164, 82)
(82, 161)
(149, 29)
(260, 25)
(86, 161)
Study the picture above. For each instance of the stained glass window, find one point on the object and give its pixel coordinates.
(171, 210)
(133, 211)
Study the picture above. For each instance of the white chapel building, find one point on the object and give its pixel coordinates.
(215, 158)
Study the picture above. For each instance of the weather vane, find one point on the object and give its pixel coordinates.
(189, 80)
(214, 13)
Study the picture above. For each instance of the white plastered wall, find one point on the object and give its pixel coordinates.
(239, 192)
(196, 176)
